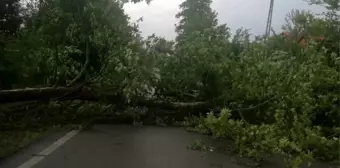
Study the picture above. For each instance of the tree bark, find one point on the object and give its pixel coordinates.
(173, 105)
(48, 93)
(87, 94)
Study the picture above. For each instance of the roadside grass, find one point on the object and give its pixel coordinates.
(13, 141)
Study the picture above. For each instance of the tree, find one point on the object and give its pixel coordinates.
(280, 96)
(73, 45)
(10, 19)
(195, 15)
(200, 44)
(10, 22)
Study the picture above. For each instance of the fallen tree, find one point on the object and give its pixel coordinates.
(88, 94)
(48, 93)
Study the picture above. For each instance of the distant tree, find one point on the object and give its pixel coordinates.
(201, 43)
(195, 15)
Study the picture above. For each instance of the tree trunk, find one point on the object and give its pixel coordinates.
(83, 93)
(46, 94)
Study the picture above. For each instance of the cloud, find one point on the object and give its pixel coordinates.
(159, 16)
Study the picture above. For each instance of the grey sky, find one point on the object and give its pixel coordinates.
(159, 16)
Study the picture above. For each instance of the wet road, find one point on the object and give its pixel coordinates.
(107, 146)
(112, 146)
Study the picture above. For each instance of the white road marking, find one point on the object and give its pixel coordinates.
(36, 159)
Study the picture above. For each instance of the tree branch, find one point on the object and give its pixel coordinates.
(87, 62)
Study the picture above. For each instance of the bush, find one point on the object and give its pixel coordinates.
(296, 144)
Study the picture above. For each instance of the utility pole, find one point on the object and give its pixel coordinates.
(269, 20)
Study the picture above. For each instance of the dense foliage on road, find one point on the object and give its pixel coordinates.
(277, 96)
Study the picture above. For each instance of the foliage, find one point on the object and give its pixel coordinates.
(9, 24)
(297, 144)
(195, 16)
(281, 93)
(200, 45)
(284, 95)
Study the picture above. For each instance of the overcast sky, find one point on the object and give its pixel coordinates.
(159, 16)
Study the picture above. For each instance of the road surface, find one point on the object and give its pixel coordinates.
(113, 146)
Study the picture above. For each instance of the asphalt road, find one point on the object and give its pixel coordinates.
(107, 146)
(112, 146)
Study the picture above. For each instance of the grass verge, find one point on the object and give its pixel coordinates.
(13, 141)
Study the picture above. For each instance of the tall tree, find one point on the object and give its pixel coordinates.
(200, 45)
(10, 21)
(195, 15)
